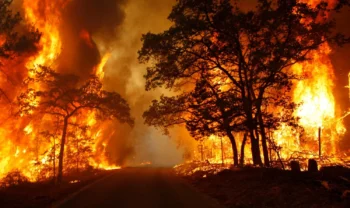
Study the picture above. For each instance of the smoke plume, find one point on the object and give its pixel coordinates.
(92, 28)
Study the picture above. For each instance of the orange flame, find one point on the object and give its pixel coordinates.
(317, 109)
(24, 149)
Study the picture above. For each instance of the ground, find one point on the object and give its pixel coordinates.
(256, 187)
(128, 187)
(140, 187)
(43, 194)
(160, 187)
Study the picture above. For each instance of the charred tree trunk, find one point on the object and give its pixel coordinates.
(255, 149)
(263, 140)
(254, 141)
(241, 162)
(234, 148)
(60, 157)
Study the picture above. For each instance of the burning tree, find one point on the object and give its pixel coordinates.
(252, 50)
(63, 96)
(81, 153)
(12, 42)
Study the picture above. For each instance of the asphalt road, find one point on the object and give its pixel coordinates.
(140, 188)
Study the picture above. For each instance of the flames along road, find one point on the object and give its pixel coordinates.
(21, 152)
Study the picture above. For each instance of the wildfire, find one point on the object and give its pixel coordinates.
(319, 116)
(27, 150)
(100, 68)
(318, 112)
(47, 20)
(28, 130)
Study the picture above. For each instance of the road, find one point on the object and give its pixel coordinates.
(140, 188)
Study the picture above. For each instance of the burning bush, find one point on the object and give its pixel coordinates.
(13, 178)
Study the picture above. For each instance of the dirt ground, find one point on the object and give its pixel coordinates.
(256, 187)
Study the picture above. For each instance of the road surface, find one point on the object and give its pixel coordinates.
(140, 188)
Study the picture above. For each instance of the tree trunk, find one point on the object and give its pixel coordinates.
(263, 139)
(255, 149)
(60, 157)
(241, 162)
(234, 148)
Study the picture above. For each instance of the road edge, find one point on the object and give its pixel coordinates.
(59, 203)
(195, 189)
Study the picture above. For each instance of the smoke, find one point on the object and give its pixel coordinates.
(125, 75)
(115, 27)
(82, 19)
(89, 29)
(92, 28)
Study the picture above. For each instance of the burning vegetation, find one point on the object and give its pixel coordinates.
(55, 118)
(253, 87)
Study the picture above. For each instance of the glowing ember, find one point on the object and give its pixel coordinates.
(75, 181)
(112, 168)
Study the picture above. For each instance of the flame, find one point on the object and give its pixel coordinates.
(28, 129)
(100, 68)
(47, 21)
(25, 149)
(317, 110)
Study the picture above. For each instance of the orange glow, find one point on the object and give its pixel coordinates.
(85, 35)
(23, 146)
(100, 68)
(317, 109)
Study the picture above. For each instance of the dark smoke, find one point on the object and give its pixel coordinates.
(89, 17)
(116, 27)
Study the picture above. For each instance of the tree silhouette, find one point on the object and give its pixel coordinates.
(207, 110)
(254, 50)
(61, 95)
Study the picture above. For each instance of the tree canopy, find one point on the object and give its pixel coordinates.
(250, 51)
(63, 96)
